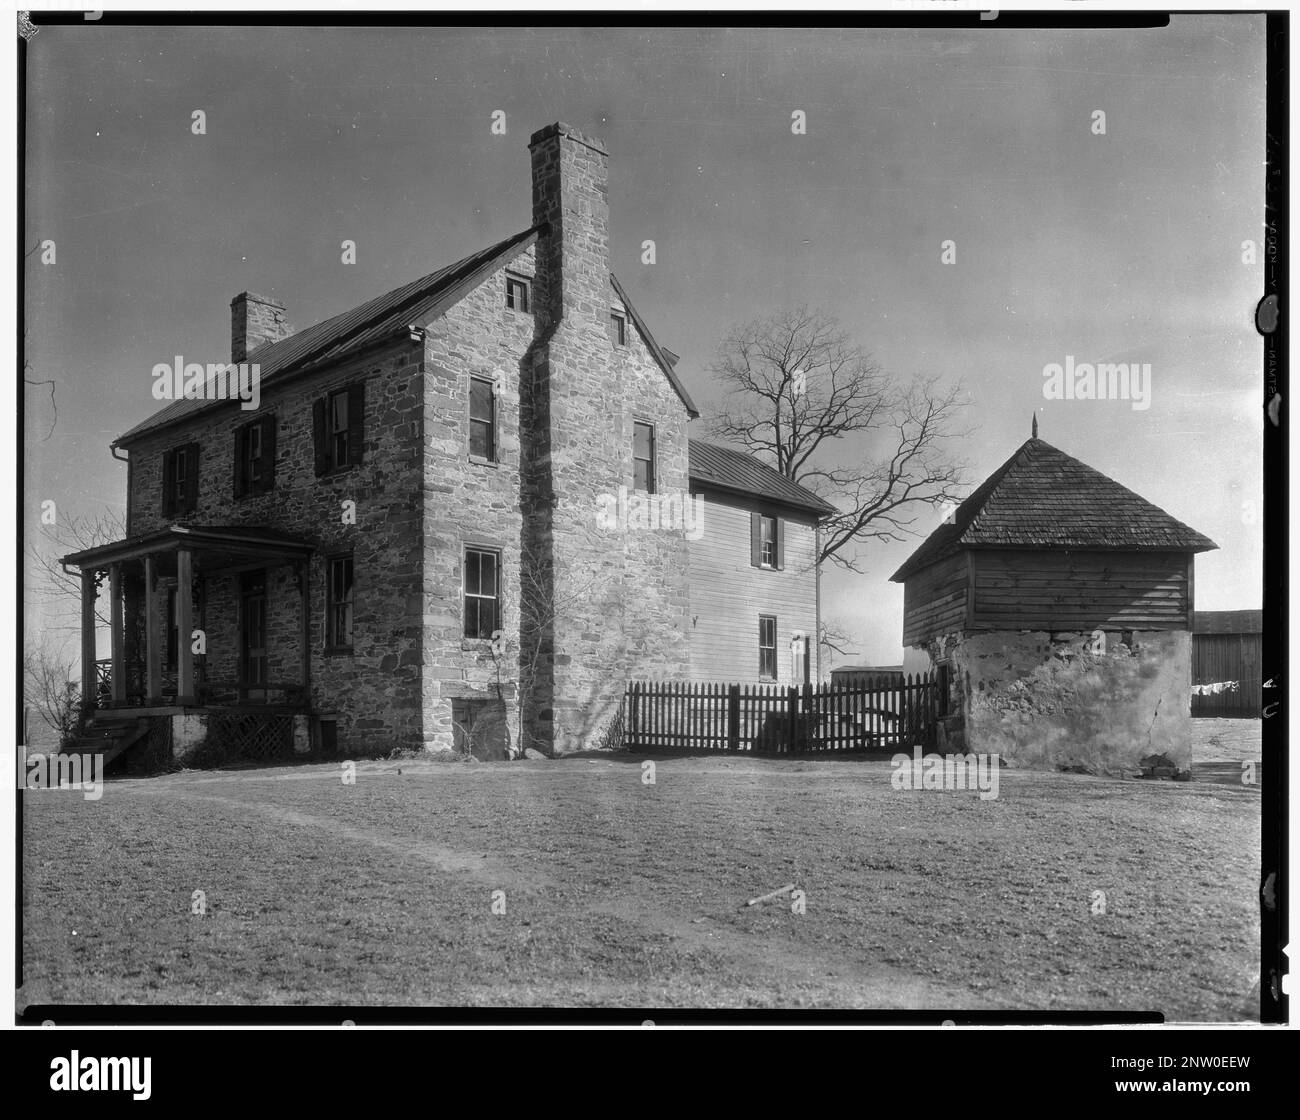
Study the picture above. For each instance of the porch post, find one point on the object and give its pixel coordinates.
(89, 684)
(152, 634)
(185, 626)
(115, 630)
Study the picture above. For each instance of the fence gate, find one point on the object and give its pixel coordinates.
(885, 714)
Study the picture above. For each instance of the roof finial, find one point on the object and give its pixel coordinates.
(1035, 435)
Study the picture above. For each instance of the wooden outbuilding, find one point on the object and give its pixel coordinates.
(1060, 604)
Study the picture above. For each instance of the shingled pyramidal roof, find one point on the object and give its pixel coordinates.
(1044, 498)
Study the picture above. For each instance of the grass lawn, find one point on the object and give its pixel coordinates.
(622, 893)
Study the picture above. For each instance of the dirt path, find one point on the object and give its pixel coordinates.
(840, 981)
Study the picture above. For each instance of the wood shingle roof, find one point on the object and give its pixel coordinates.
(1044, 498)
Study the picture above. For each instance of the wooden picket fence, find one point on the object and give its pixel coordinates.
(880, 714)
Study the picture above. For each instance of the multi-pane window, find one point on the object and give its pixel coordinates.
(338, 427)
(643, 456)
(766, 546)
(516, 293)
(482, 419)
(618, 328)
(180, 482)
(338, 433)
(482, 592)
(767, 531)
(339, 603)
(767, 647)
(255, 457)
(253, 453)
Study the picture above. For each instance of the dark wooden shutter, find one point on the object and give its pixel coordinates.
(756, 540)
(780, 543)
(240, 470)
(168, 481)
(356, 421)
(268, 453)
(192, 477)
(318, 435)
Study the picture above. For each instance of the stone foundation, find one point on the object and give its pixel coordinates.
(1046, 700)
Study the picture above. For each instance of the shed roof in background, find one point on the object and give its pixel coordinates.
(1227, 622)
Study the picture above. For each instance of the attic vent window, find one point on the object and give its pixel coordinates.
(517, 293)
(618, 328)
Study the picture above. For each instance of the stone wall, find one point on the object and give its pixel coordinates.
(1045, 700)
(618, 596)
(375, 690)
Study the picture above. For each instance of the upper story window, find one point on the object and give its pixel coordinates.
(255, 457)
(766, 541)
(767, 530)
(339, 603)
(180, 482)
(643, 456)
(482, 419)
(482, 592)
(338, 425)
(618, 328)
(767, 647)
(517, 294)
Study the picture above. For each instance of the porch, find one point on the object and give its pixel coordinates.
(188, 621)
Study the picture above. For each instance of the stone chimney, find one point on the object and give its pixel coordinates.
(254, 321)
(570, 194)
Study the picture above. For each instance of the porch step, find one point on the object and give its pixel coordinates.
(111, 735)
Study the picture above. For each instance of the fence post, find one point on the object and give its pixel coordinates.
(733, 718)
(792, 717)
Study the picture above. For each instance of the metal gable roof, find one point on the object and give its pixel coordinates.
(351, 331)
(1044, 498)
(725, 468)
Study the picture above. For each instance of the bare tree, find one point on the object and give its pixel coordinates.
(812, 403)
(50, 689)
(833, 637)
(69, 533)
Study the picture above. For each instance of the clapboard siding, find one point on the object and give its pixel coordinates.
(1040, 589)
(934, 600)
(728, 594)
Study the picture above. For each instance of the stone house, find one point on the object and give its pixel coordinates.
(461, 510)
(1058, 604)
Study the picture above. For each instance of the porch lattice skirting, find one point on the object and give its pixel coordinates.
(249, 736)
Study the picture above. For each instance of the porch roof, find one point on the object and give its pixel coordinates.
(242, 539)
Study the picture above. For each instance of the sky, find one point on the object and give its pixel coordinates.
(1125, 246)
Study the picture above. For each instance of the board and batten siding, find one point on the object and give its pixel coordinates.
(1037, 589)
(728, 593)
(934, 600)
